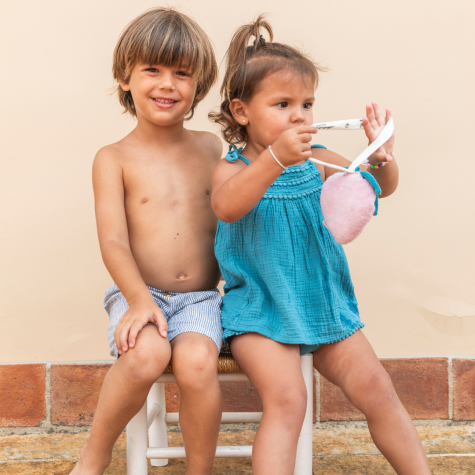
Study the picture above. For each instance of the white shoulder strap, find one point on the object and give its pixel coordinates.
(354, 124)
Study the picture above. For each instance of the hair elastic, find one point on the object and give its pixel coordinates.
(272, 153)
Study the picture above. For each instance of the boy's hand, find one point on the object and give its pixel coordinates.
(293, 145)
(134, 319)
(373, 124)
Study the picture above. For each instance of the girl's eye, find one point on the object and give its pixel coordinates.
(307, 105)
(282, 105)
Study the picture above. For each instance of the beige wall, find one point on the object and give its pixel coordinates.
(413, 267)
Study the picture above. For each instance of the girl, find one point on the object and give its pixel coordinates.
(288, 288)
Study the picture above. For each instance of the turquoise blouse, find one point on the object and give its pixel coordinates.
(286, 277)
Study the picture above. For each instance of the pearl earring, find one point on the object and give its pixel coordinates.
(244, 121)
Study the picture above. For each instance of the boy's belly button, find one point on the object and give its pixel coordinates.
(182, 276)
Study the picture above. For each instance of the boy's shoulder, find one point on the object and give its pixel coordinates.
(208, 142)
(110, 154)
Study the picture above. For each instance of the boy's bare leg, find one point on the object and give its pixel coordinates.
(353, 365)
(195, 363)
(123, 394)
(274, 369)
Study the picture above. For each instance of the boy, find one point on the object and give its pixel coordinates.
(156, 231)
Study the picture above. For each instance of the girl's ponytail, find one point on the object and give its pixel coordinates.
(247, 65)
(234, 82)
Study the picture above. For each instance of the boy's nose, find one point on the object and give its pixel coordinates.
(167, 82)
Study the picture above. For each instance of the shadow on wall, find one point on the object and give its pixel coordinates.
(449, 317)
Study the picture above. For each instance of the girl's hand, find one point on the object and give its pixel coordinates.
(293, 145)
(134, 319)
(373, 124)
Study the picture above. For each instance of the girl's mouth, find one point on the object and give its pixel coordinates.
(163, 103)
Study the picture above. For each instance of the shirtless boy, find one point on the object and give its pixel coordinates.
(156, 231)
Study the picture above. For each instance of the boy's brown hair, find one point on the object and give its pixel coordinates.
(167, 37)
(247, 66)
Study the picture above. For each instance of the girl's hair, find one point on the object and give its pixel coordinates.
(247, 66)
(167, 37)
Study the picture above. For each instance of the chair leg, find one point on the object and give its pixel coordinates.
(137, 443)
(303, 463)
(157, 434)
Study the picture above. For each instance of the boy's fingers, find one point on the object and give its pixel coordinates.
(162, 328)
(124, 336)
(134, 331)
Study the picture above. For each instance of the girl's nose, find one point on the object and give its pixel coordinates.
(297, 116)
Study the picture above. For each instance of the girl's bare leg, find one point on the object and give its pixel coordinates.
(352, 365)
(274, 369)
(123, 394)
(195, 365)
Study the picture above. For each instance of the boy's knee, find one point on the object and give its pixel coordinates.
(146, 362)
(195, 366)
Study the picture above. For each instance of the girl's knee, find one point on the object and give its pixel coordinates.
(288, 402)
(375, 392)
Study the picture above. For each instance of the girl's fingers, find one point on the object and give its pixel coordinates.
(377, 114)
(388, 115)
(306, 129)
(370, 116)
(305, 138)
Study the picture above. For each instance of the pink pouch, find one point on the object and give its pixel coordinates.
(348, 202)
(350, 198)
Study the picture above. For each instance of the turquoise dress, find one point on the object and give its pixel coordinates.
(286, 277)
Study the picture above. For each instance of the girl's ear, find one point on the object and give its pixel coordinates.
(239, 112)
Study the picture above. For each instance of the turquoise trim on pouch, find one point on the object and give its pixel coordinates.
(372, 181)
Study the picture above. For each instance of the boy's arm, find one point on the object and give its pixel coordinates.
(115, 249)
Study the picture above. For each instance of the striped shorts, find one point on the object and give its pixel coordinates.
(198, 312)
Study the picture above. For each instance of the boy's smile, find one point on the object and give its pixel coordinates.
(164, 102)
(162, 94)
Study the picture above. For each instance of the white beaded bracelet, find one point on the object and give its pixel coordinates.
(272, 153)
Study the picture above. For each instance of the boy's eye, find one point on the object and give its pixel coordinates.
(307, 105)
(152, 70)
(282, 105)
(183, 73)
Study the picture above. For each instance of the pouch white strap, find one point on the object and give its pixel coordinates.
(354, 124)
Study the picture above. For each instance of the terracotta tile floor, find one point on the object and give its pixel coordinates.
(336, 451)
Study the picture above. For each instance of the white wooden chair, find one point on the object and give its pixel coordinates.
(153, 416)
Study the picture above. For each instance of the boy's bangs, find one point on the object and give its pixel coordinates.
(171, 45)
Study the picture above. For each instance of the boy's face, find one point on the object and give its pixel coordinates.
(162, 94)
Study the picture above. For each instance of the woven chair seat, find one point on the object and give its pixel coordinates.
(226, 363)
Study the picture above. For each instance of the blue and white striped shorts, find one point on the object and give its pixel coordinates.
(198, 312)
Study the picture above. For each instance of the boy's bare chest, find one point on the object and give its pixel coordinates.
(158, 183)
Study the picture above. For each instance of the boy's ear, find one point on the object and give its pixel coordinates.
(124, 86)
(239, 112)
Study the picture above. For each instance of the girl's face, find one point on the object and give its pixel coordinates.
(283, 100)
(162, 95)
